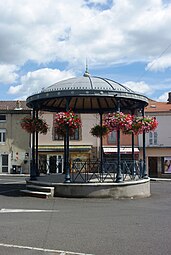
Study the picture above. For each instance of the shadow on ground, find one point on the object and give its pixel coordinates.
(11, 190)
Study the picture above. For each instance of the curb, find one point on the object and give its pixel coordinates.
(160, 179)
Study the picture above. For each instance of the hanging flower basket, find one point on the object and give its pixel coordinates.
(144, 124)
(129, 124)
(118, 121)
(99, 131)
(34, 125)
(64, 119)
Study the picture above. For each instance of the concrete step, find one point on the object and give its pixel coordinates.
(36, 193)
(41, 188)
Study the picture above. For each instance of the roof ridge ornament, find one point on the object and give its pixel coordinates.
(86, 74)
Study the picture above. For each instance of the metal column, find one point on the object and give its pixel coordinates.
(101, 146)
(33, 163)
(67, 170)
(119, 177)
(36, 160)
(144, 152)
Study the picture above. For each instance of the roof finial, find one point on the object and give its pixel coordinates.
(86, 74)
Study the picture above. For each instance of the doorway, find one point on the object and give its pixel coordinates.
(55, 164)
(152, 166)
(4, 163)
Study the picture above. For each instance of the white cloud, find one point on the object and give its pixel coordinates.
(33, 82)
(97, 1)
(163, 97)
(8, 73)
(15, 89)
(160, 64)
(139, 87)
(67, 30)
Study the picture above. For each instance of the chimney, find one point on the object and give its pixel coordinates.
(18, 105)
(169, 98)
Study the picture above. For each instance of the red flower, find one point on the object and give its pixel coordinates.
(64, 119)
(128, 123)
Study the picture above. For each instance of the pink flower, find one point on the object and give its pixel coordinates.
(63, 119)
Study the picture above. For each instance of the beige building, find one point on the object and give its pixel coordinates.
(83, 145)
(158, 143)
(14, 141)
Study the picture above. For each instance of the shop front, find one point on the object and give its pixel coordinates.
(51, 158)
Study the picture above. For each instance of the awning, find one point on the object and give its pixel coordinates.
(123, 150)
(60, 148)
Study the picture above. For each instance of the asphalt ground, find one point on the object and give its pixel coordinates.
(38, 226)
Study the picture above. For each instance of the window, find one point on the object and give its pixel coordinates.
(75, 136)
(2, 135)
(167, 165)
(56, 136)
(150, 138)
(112, 137)
(2, 118)
(153, 138)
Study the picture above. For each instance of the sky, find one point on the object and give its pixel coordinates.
(45, 41)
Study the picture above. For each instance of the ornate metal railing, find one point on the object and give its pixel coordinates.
(95, 171)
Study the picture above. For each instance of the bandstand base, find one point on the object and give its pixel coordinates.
(129, 189)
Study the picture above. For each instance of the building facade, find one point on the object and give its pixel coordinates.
(14, 141)
(158, 143)
(83, 146)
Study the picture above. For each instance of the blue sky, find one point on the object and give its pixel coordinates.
(46, 41)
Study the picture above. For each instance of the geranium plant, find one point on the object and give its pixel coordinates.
(32, 125)
(99, 131)
(64, 119)
(128, 123)
(144, 124)
(118, 121)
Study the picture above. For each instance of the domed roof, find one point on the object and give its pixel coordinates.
(88, 83)
(87, 94)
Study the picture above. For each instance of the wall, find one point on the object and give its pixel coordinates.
(17, 144)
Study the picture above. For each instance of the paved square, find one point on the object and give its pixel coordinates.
(84, 226)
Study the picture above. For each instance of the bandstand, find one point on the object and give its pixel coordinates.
(91, 94)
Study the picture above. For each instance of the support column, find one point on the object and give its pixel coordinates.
(101, 146)
(33, 163)
(133, 153)
(119, 177)
(37, 142)
(144, 153)
(67, 171)
(64, 166)
(133, 157)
